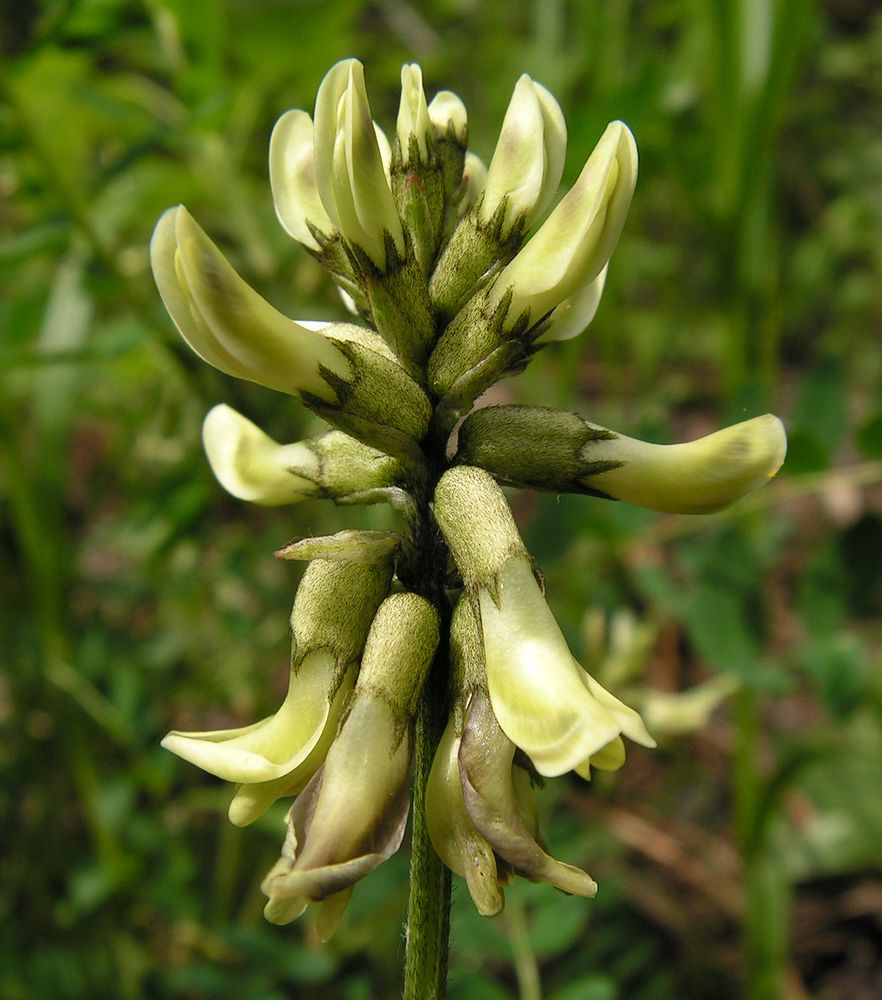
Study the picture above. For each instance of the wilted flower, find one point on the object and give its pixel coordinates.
(499, 799)
(480, 810)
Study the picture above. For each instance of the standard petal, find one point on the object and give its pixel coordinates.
(293, 179)
(555, 147)
(544, 701)
(353, 813)
(228, 324)
(352, 179)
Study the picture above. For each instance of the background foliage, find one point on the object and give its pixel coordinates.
(136, 596)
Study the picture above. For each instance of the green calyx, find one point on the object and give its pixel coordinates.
(494, 438)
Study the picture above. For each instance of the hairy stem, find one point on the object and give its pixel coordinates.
(428, 911)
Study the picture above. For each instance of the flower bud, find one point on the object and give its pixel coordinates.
(293, 181)
(449, 117)
(575, 242)
(353, 813)
(352, 181)
(228, 324)
(529, 158)
(474, 177)
(570, 455)
(450, 122)
(346, 546)
(414, 125)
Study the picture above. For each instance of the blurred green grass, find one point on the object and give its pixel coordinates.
(136, 596)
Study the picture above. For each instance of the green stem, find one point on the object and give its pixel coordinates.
(428, 911)
(526, 966)
(766, 915)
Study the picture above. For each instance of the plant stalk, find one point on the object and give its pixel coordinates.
(428, 912)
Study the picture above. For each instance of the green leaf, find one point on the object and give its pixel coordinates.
(837, 664)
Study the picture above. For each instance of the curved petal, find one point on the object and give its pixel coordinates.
(577, 239)
(698, 477)
(227, 323)
(251, 466)
(276, 746)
